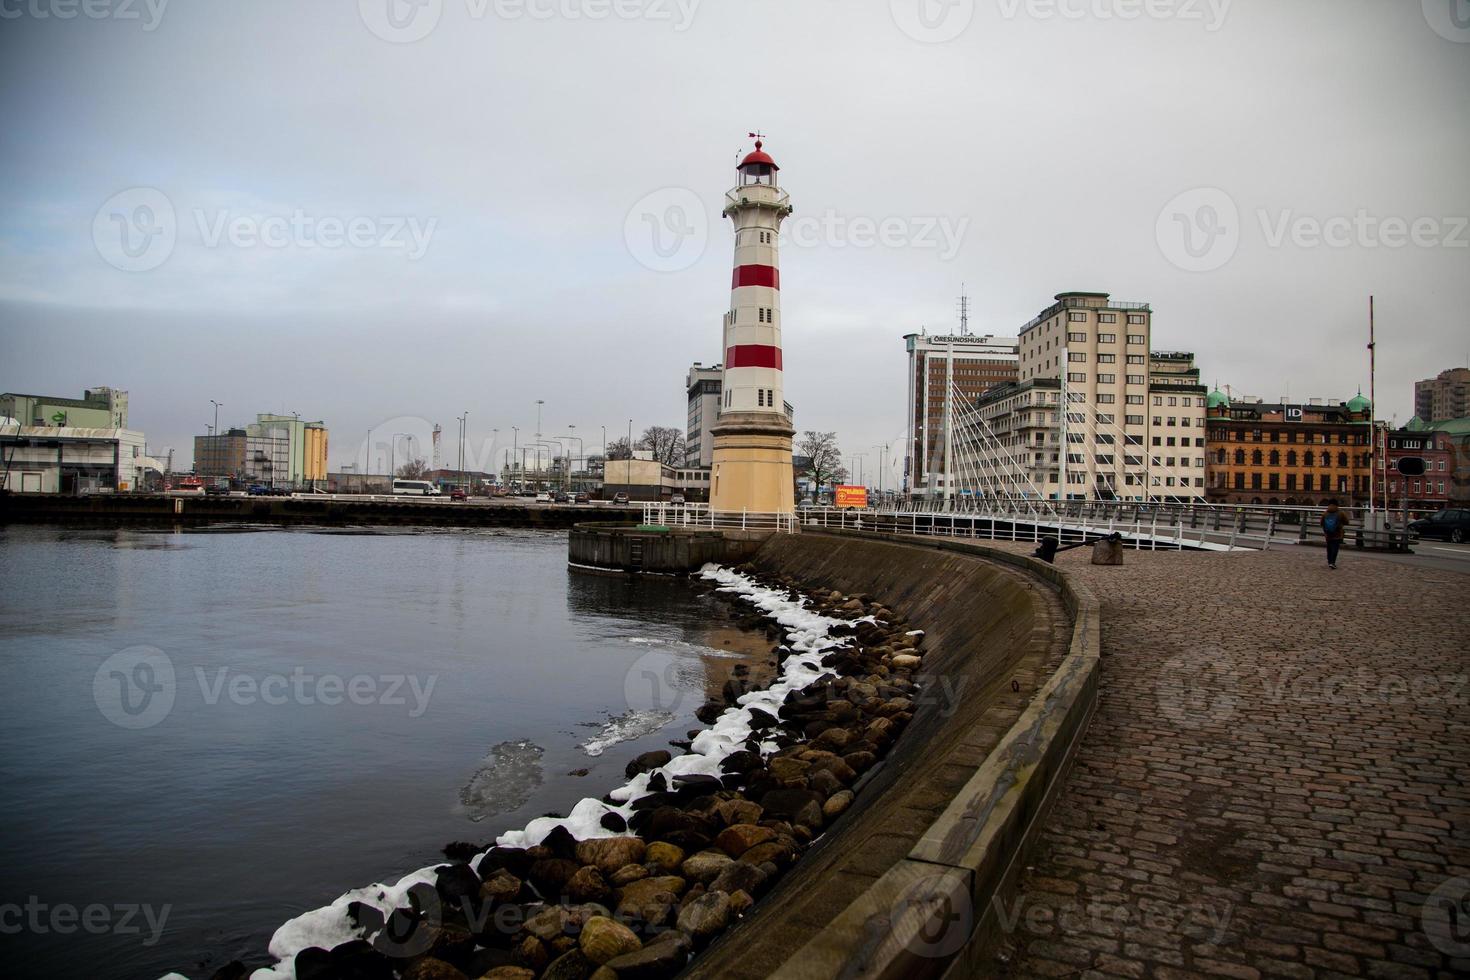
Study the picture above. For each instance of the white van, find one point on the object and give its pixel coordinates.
(415, 488)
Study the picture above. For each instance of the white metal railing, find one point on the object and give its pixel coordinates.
(701, 516)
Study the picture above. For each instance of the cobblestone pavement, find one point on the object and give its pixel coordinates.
(1274, 784)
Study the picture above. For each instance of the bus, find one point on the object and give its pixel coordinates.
(415, 488)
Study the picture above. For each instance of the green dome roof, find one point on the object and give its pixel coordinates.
(1416, 424)
(1359, 403)
(1217, 399)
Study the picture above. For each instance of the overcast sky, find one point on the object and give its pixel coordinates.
(383, 214)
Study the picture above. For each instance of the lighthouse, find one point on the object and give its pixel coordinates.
(751, 469)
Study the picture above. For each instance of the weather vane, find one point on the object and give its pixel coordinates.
(757, 136)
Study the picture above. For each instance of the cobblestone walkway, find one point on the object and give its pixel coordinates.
(1274, 784)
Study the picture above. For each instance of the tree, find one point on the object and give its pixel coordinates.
(618, 449)
(825, 467)
(666, 444)
(414, 469)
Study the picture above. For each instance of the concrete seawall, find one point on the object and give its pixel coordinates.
(905, 884)
(621, 548)
(164, 509)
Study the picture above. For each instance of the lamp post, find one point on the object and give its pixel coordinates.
(539, 403)
(515, 450)
(216, 414)
(882, 451)
(464, 423)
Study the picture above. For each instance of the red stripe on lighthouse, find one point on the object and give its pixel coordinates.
(753, 355)
(756, 275)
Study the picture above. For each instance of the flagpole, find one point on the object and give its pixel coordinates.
(1373, 416)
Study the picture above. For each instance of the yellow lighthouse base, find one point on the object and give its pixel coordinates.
(751, 470)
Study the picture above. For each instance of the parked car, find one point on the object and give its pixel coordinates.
(216, 490)
(620, 498)
(560, 497)
(677, 498)
(279, 492)
(582, 498)
(458, 493)
(543, 498)
(1450, 524)
(258, 490)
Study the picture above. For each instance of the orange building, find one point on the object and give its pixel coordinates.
(1259, 453)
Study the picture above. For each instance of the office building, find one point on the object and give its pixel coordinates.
(1288, 453)
(1444, 397)
(969, 364)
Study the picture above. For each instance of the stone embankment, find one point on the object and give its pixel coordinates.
(696, 853)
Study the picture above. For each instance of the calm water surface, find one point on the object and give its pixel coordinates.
(342, 705)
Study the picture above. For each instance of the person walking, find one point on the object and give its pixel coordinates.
(1334, 529)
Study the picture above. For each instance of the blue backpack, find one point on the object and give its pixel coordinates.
(1331, 523)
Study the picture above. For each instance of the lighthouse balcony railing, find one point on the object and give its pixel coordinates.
(743, 196)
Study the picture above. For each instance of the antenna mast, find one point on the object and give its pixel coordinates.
(964, 312)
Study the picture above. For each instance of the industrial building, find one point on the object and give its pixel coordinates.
(275, 450)
(72, 459)
(98, 408)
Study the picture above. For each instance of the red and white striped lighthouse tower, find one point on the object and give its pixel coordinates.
(751, 470)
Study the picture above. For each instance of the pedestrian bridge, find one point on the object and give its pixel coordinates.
(1146, 526)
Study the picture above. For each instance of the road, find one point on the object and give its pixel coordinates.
(1441, 556)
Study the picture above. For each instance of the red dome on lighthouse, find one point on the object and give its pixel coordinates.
(758, 157)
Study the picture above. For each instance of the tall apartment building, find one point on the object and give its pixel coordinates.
(703, 387)
(1134, 428)
(973, 365)
(1444, 397)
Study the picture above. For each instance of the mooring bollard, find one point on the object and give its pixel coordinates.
(1048, 547)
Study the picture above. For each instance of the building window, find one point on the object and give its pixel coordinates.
(1136, 338)
(1107, 379)
(1075, 317)
(1107, 318)
(1077, 357)
(1107, 338)
(1107, 358)
(1135, 359)
(1076, 377)
(1104, 399)
(1136, 400)
(1133, 419)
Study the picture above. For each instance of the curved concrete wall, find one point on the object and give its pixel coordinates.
(903, 884)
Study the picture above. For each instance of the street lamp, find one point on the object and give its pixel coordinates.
(539, 403)
(216, 414)
(882, 451)
(464, 424)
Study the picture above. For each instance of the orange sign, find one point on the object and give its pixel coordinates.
(851, 496)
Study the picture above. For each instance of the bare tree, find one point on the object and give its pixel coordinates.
(618, 449)
(414, 469)
(666, 444)
(825, 467)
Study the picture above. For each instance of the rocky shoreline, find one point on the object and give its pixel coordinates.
(690, 852)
